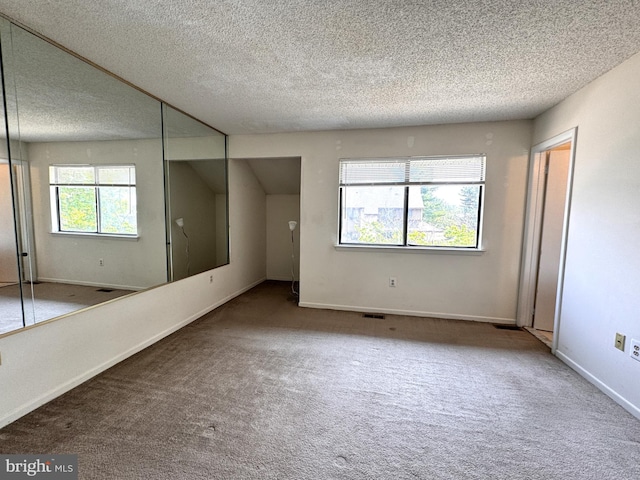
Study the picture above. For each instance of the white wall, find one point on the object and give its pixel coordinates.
(602, 277)
(8, 262)
(44, 361)
(192, 200)
(222, 241)
(207, 147)
(478, 287)
(281, 209)
(8, 251)
(128, 263)
(247, 221)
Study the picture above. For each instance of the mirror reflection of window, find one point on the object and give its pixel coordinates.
(83, 184)
(100, 200)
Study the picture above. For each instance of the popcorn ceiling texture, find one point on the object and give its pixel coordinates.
(289, 65)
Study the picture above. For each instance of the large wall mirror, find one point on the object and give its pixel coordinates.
(196, 169)
(86, 212)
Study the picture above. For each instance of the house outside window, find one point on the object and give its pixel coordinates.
(412, 201)
(93, 199)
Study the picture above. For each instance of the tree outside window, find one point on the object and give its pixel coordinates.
(98, 199)
(416, 201)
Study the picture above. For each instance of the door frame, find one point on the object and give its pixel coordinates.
(13, 221)
(533, 229)
(24, 218)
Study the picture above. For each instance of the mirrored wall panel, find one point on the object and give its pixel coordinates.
(83, 200)
(196, 170)
(11, 317)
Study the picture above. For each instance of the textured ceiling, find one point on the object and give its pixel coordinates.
(288, 65)
(61, 98)
(58, 97)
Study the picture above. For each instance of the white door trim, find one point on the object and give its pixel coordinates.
(533, 225)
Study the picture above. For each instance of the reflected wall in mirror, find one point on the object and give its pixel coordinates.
(89, 191)
(11, 317)
(61, 111)
(196, 176)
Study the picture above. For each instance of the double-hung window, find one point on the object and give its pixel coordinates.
(412, 201)
(97, 199)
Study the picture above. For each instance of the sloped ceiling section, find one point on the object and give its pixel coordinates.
(278, 176)
(288, 65)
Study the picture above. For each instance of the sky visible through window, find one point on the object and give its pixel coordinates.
(416, 201)
(94, 199)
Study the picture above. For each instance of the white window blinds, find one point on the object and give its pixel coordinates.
(413, 170)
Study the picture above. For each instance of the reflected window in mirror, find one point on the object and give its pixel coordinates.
(64, 112)
(96, 199)
(70, 242)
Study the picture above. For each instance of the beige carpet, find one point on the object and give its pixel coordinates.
(262, 389)
(49, 300)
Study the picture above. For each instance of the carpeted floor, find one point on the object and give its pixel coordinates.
(262, 389)
(49, 300)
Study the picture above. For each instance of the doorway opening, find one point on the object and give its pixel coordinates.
(547, 218)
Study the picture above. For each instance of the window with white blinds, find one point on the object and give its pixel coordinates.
(412, 170)
(412, 201)
(93, 199)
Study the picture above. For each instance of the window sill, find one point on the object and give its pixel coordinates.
(424, 250)
(133, 238)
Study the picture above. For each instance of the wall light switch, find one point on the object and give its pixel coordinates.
(619, 342)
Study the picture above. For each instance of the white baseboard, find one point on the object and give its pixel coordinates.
(615, 396)
(412, 313)
(74, 382)
(92, 284)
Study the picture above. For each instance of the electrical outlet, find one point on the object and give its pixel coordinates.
(393, 282)
(619, 344)
(101, 262)
(210, 278)
(634, 351)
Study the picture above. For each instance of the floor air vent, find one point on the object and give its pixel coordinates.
(373, 315)
(502, 326)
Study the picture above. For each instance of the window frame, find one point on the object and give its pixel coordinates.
(407, 183)
(97, 184)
